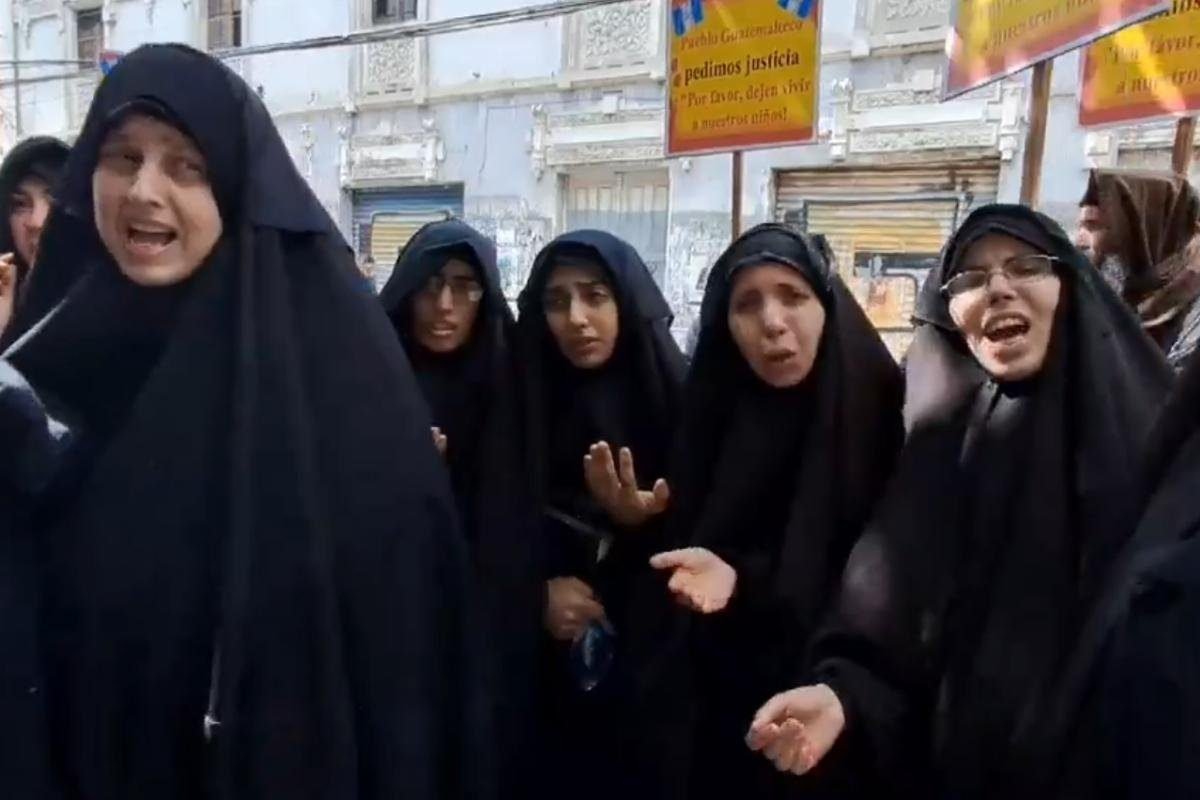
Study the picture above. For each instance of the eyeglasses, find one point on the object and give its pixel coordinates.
(1018, 270)
(463, 290)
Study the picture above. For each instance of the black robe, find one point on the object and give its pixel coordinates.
(252, 584)
(474, 396)
(597, 740)
(38, 156)
(1130, 715)
(962, 599)
(778, 482)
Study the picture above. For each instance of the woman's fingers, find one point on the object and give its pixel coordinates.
(627, 475)
(661, 494)
(758, 739)
(588, 610)
(688, 558)
(811, 718)
(777, 710)
(604, 457)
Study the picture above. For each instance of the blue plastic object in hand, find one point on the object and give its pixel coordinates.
(592, 655)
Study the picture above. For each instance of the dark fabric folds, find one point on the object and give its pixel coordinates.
(603, 743)
(252, 581)
(475, 396)
(778, 482)
(1132, 699)
(38, 156)
(962, 599)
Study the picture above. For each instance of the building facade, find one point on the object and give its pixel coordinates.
(529, 129)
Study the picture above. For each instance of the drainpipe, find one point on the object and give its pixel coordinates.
(16, 66)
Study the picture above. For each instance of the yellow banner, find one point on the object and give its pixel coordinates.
(743, 74)
(994, 38)
(1148, 70)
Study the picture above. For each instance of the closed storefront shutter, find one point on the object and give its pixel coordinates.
(384, 220)
(886, 226)
(632, 205)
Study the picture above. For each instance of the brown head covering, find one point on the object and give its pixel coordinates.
(1154, 218)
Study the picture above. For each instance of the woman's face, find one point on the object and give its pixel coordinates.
(155, 209)
(1007, 321)
(776, 320)
(445, 308)
(581, 312)
(29, 207)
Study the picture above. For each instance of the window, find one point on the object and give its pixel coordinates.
(88, 37)
(386, 11)
(224, 24)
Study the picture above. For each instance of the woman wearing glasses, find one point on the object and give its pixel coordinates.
(604, 378)
(446, 302)
(1030, 392)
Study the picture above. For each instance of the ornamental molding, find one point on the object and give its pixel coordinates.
(594, 137)
(912, 118)
(389, 67)
(890, 98)
(601, 153)
(897, 16)
(613, 36)
(411, 155)
(1153, 136)
(582, 119)
(941, 137)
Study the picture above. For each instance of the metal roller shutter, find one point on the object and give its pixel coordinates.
(886, 226)
(384, 220)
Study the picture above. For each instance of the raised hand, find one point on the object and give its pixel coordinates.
(614, 486)
(796, 729)
(570, 607)
(439, 441)
(700, 579)
(8, 288)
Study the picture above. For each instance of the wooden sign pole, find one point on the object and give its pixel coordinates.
(736, 221)
(1035, 142)
(1185, 137)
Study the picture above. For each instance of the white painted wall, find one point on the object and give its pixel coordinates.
(478, 93)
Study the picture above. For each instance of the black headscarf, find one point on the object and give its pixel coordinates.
(40, 157)
(1129, 713)
(261, 532)
(629, 402)
(1009, 501)
(474, 395)
(601, 744)
(778, 482)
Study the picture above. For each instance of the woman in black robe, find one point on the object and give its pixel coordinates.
(1031, 389)
(776, 475)
(28, 179)
(251, 580)
(447, 305)
(1130, 715)
(614, 377)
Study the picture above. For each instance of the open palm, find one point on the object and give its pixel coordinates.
(700, 579)
(798, 728)
(614, 486)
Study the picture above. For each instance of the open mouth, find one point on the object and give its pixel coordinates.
(780, 357)
(148, 241)
(1006, 329)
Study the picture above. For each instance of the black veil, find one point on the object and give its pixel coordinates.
(253, 584)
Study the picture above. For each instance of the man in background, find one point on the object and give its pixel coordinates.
(1142, 231)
